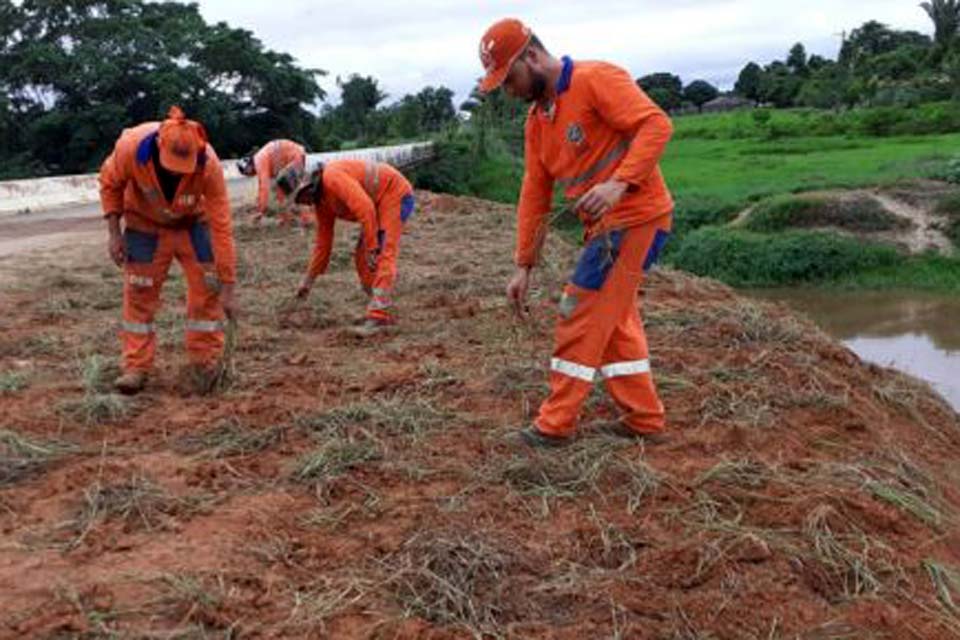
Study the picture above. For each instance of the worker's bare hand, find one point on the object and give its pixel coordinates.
(517, 290)
(228, 300)
(117, 249)
(601, 198)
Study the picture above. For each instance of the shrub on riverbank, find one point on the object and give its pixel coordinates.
(858, 213)
(745, 258)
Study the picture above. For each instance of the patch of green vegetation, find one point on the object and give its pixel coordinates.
(744, 258)
(923, 273)
(853, 214)
(712, 178)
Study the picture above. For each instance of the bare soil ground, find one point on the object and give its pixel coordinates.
(340, 488)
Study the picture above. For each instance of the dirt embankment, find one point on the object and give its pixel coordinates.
(905, 214)
(350, 489)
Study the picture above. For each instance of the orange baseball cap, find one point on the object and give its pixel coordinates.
(500, 47)
(180, 141)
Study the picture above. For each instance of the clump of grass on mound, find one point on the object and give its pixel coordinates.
(139, 503)
(589, 466)
(22, 457)
(397, 415)
(454, 578)
(744, 258)
(97, 405)
(842, 561)
(335, 457)
(863, 214)
(231, 438)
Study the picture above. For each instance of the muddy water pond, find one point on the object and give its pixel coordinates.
(914, 332)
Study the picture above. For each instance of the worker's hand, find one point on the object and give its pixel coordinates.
(117, 248)
(304, 289)
(517, 290)
(601, 198)
(228, 300)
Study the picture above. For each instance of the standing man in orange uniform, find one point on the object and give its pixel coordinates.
(591, 130)
(380, 199)
(165, 183)
(266, 164)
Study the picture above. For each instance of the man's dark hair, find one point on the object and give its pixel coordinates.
(535, 42)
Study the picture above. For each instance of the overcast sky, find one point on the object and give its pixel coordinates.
(409, 44)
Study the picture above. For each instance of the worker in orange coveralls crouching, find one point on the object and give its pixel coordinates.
(164, 182)
(380, 199)
(595, 133)
(266, 164)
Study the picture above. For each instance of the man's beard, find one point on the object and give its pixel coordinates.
(538, 86)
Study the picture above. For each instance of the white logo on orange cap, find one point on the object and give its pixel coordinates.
(486, 54)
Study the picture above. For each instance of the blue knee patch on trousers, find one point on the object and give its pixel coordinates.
(141, 246)
(659, 242)
(597, 259)
(200, 241)
(407, 205)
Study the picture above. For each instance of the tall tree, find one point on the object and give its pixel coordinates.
(75, 73)
(945, 15)
(748, 83)
(666, 89)
(797, 59)
(700, 92)
(359, 98)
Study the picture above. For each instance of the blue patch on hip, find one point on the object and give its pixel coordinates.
(407, 205)
(597, 259)
(200, 241)
(659, 242)
(141, 246)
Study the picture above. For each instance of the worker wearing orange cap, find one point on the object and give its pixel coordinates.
(266, 164)
(380, 199)
(592, 131)
(165, 183)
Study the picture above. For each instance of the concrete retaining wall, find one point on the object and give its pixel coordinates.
(43, 194)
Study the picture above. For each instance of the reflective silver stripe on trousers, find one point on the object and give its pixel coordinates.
(573, 370)
(619, 369)
(616, 153)
(379, 304)
(204, 326)
(137, 327)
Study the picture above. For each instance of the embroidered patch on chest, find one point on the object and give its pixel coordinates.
(187, 200)
(575, 134)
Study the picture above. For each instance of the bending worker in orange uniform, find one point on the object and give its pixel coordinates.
(378, 197)
(266, 164)
(165, 182)
(593, 131)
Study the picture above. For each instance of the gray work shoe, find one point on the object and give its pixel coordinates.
(620, 430)
(533, 437)
(131, 382)
(370, 328)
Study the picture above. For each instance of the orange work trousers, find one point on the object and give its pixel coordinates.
(149, 255)
(599, 329)
(378, 280)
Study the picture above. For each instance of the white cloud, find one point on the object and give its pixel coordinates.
(407, 45)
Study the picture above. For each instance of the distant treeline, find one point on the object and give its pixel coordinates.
(877, 66)
(74, 74)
